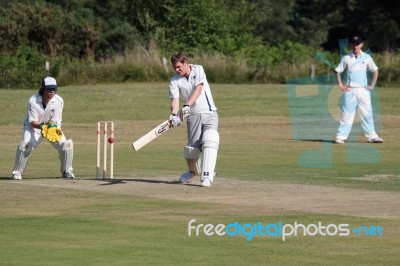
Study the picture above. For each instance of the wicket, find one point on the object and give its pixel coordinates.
(105, 125)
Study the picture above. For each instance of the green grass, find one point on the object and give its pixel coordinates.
(51, 225)
(84, 228)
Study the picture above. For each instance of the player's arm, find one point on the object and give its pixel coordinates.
(339, 70)
(375, 75)
(36, 124)
(343, 87)
(195, 95)
(33, 116)
(174, 118)
(174, 105)
(185, 111)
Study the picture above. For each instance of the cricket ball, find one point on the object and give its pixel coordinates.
(111, 140)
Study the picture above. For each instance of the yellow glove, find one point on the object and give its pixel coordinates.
(53, 133)
(43, 128)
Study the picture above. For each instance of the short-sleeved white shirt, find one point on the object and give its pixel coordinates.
(36, 111)
(357, 69)
(185, 86)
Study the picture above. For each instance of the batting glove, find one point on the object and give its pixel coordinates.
(175, 120)
(185, 112)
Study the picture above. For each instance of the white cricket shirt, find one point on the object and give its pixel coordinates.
(36, 111)
(185, 86)
(357, 69)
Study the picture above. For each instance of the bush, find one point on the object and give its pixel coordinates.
(25, 68)
(257, 64)
(389, 68)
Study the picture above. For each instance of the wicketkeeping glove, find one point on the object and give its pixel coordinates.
(54, 134)
(43, 129)
(175, 120)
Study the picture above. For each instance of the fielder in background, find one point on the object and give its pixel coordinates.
(199, 110)
(43, 120)
(357, 92)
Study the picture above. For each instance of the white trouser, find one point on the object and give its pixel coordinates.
(31, 139)
(197, 124)
(356, 100)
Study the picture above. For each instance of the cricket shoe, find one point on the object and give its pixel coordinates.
(206, 182)
(186, 177)
(375, 140)
(16, 175)
(338, 141)
(68, 174)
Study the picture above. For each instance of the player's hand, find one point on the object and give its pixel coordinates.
(54, 134)
(175, 120)
(185, 112)
(370, 88)
(344, 88)
(43, 129)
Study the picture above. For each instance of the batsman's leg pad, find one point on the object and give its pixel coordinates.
(66, 155)
(210, 152)
(192, 156)
(22, 156)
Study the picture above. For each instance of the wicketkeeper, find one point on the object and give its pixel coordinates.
(43, 120)
(202, 119)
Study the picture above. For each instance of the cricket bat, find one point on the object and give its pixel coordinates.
(153, 134)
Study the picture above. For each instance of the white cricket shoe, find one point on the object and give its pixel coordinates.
(338, 141)
(186, 177)
(205, 182)
(68, 174)
(16, 175)
(375, 140)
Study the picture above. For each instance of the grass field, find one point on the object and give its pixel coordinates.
(141, 217)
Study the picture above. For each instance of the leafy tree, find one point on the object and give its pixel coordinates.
(378, 22)
(273, 18)
(102, 28)
(48, 28)
(313, 19)
(118, 29)
(205, 26)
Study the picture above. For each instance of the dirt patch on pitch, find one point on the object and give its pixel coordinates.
(255, 197)
(377, 178)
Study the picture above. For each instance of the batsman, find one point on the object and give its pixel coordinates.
(43, 120)
(199, 110)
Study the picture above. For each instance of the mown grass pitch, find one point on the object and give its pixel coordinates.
(141, 217)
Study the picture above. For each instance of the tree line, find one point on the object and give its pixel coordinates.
(101, 29)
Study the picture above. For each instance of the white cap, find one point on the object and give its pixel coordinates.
(49, 83)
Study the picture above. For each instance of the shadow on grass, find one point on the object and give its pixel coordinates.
(142, 180)
(315, 140)
(107, 182)
(31, 178)
(333, 142)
